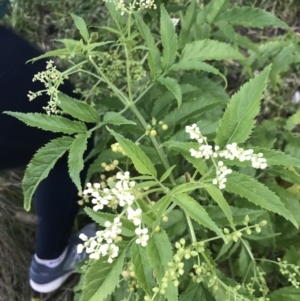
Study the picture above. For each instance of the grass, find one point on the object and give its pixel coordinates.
(41, 22)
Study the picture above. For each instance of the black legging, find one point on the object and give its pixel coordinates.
(56, 197)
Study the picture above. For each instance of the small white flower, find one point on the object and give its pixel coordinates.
(143, 236)
(80, 248)
(134, 215)
(83, 237)
(175, 21)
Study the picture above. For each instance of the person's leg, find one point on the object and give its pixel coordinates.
(56, 196)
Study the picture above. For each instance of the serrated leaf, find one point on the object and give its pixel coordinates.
(238, 214)
(140, 161)
(41, 164)
(228, 31)
(189, 110)
(142, 269)
(172, 85)
(289, 293)
(238, 120)
(204, 50)
(153, 54)
(188, 22)
(196, 292)
(75, 159)
(57, 52)
(160, 253)
(78, 109)
(196, 212)
(217, 196)
(276, 157)
(168, 38)
(116, 119)
(251, 17)
(216, 8)
(165, 100)
(102, 278)
(116, 15)
(167, 173)
(53, 123)
(127, 227)
(197, 65)
(184, 149)
(258, 194)
(81, 26)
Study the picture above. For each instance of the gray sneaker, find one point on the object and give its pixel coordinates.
(44, 279)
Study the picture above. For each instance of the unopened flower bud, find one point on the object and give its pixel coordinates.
(153, 133)
(164, 127)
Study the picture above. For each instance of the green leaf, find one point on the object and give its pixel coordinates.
(81, 26)
(165, 100)
(289, 293)
(141, 162)
(238, 214)
(184, 149)
(78, 109)
(53, 123)
(238, 120)
(102, 277)
(172, 85)
(57, 52)
(228, 31)
(196, 292)
(196, 212)
(197, 65)
(153, 54)
(142, 269)
(167, 173)
(187, 22)
(128, 227)
(209, 50)
(251, 17)
(116, 14)
(216, 8)
(160, 208)
(276, 157)
(189, 110)
(75, 160)
(41, 164)
(217, 195)
(258, 194)
(116, 119)
(159, 252)
(244, 260)
(168, 38)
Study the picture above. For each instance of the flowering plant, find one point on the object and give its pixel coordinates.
(176, 187)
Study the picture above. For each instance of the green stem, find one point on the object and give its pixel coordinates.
(123, 98)
(159, 151)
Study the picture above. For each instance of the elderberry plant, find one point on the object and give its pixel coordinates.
(187, 208)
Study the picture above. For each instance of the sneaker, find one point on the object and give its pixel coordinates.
(44, 279)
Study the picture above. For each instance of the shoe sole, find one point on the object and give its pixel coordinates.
(50, 286)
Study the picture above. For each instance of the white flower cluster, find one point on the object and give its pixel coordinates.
(121, 194)
(104, 242)
(231, 152)
(129, 6)
(175, 21)
(52, 79)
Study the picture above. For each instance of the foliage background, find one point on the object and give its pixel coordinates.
(42, 21)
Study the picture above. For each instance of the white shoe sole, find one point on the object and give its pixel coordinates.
(51, 286)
